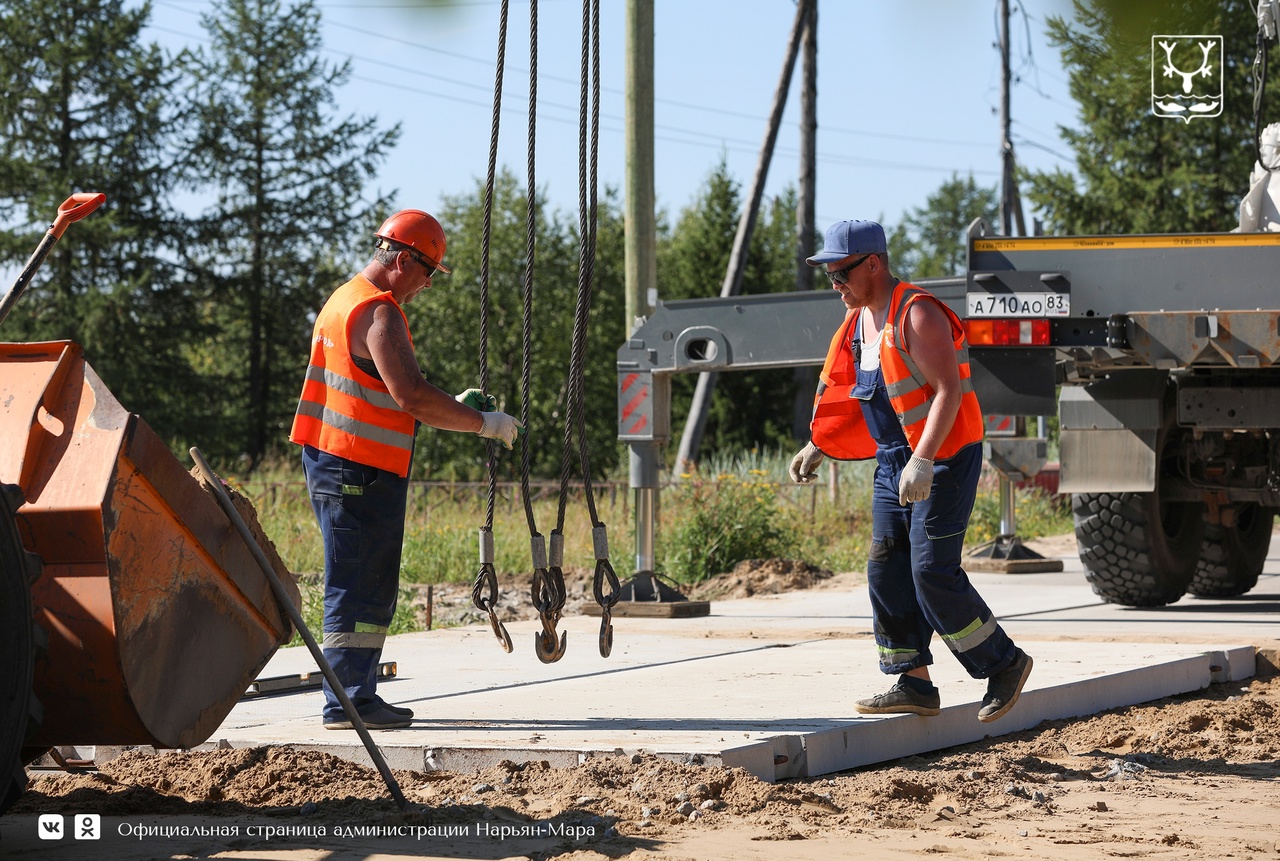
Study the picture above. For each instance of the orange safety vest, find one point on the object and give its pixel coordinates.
(343, 410)
(838, 427)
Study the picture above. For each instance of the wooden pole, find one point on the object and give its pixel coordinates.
(691, 439)
(640, 263)
(806, 378)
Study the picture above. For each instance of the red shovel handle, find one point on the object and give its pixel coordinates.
(74, 208)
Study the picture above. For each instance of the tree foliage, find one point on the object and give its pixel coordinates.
(446, 322)
(288, 178)
(930, 240)
(749, 409)
(1136, 172)
(86, 106)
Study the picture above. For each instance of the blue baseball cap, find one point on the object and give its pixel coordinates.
(847, 238)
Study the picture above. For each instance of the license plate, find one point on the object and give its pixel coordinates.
(1018, 304)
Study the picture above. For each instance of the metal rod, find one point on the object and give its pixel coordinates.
(282, 597)
(1008, 517)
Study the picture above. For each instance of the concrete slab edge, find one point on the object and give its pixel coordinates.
(464, 760)
(865, 741)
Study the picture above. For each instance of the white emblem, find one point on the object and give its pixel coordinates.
(1186, 76)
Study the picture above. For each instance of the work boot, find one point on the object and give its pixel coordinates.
(1004, 688)
(399, 710)
(380, 718)
(901, 699)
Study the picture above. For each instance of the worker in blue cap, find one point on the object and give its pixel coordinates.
(896, 387)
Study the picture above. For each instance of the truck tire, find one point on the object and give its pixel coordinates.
(1135, 551)
(1232, 559)
(19, 709)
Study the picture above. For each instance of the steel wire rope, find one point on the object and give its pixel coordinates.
(484, 591)
(589, 220)
(546, 588)
(575, 421)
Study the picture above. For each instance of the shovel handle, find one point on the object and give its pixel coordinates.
(74, 208)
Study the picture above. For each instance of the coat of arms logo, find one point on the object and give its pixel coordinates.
(1186, 76)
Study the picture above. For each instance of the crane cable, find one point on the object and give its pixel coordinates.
(484, 591)
(547, 586)
(575, 415)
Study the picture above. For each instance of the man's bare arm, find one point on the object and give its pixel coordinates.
(387, 341)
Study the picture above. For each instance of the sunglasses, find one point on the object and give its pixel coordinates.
(841, 276)
(421, 261)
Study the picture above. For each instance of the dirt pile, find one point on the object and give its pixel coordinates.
(1121, 783)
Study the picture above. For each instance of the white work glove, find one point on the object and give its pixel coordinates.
(805, 464)
(500, 426)
(916, 482)
(477, 400)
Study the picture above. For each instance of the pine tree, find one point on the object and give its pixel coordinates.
(1136, 172)
(288, 177)
(86, 106)
(930, 241)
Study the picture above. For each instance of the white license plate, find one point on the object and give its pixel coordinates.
(1018, 304)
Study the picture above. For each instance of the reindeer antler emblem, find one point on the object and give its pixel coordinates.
(1201, 91)
(1170, 69)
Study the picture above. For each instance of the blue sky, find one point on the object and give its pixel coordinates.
(908, 92)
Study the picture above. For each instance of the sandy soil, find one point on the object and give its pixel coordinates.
(1189, 777)
(1192, 777)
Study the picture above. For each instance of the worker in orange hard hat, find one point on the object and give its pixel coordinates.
(362, 402)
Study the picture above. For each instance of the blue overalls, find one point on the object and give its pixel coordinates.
(361, 511)
(913, 571)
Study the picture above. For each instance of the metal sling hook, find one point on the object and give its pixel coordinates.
(484, 591)
(604, 572)
(548, 593)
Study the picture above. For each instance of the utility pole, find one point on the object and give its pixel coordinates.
(641, 281)
(640, 249)
(1010, 200)
(691, 439)
(806, 378)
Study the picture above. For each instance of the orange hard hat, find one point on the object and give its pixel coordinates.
(418, 230)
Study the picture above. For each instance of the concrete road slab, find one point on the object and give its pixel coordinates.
(768, 683)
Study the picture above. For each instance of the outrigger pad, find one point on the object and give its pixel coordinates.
(644, 594)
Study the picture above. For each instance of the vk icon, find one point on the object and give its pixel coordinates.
(50, 826)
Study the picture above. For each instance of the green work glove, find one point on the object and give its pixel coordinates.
(477, 400)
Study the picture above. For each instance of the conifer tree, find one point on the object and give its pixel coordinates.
(1136, 172)
(86, 106)
(289, 221)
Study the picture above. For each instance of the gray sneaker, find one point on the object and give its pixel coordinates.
(901, 699)
(1004, 688)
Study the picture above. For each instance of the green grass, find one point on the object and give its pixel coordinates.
(734, 509)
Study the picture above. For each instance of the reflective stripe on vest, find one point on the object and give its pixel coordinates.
(343, 410)
(838, 428)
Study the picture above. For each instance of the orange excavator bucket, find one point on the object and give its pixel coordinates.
(158, 616)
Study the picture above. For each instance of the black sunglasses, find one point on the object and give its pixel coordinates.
(421, 261)
(841, 276)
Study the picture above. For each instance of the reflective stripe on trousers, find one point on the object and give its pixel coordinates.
(361, 511)
(914, 577)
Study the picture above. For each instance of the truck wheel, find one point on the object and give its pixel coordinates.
(1136, 551)
(19, 709)
(1232, 559)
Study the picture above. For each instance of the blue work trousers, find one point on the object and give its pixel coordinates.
(914, 576)
(361, 511)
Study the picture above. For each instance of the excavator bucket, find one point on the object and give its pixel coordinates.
(158, 616)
